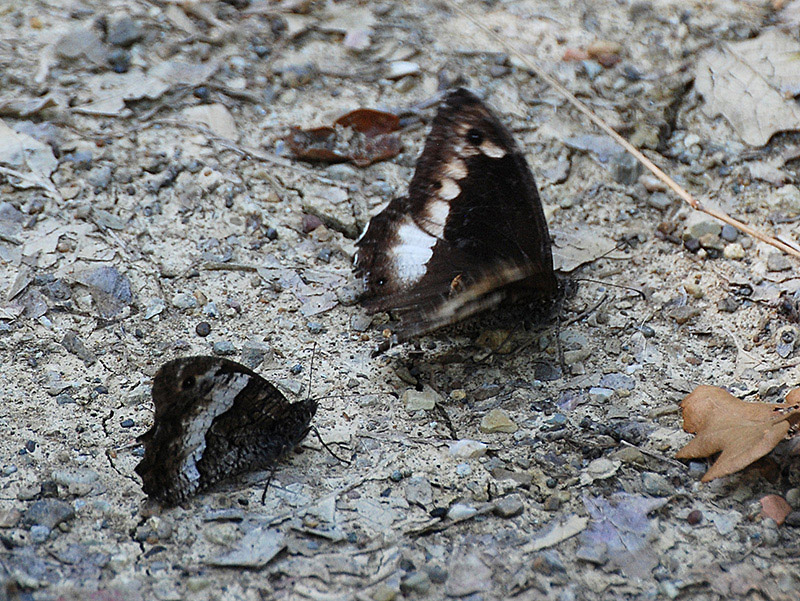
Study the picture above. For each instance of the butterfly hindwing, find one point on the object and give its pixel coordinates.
(471, 231)
(214, 418)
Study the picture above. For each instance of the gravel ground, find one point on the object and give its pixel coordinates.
(151, 209)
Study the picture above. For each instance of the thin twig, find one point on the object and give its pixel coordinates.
(652, 167)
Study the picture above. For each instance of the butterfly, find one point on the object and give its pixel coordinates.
(470, 234)
(215, 418)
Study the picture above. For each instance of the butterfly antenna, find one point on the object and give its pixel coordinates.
(636, 291)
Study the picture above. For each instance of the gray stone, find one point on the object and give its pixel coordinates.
(436, 574)
(360, 322)
(48, 512)
(419, 491)
(793, 497)
(39, 534)
(73, 344)
(599, 394)
(468, 574)
(777, 261)
(183, 300)
(660, 201)
(223, 348)
(123, 31)
(155, 307)
(72, 476)
(254, 550)
(618, 381)
(461, 511)
(626, 169)
(596, 554)
(700, 228)
(415, 400)
(415, 582)
(254, 353)
(509, 506)
(99, 177)
(656, 485)
(729, 233)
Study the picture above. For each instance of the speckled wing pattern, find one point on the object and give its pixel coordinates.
(214, 418)
(471, 232)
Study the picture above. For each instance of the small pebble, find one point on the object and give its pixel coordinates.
(461, 511)
(497, 420)
(468, 449)
(415, 400)
(729, 233)
(127, 423)
(647, 331)
(598, 394)
(415, 582)
(793, 519)
(777, 261)
(656, 485)
(123, 31)
(182, 300)
(203, 329)
(384, 593)
(463, 469)
(119, 60)
(734, 252)
(223, 347)
(396, 476)
(660, 201)
(695, 517)
(315, 327)
(295, 369)
(48, 512)
(617, 381)
(39, 534)
(509, 506)
(271, 233)
(692, 244)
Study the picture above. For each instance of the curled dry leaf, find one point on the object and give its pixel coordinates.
(363, 137)
(741, 432)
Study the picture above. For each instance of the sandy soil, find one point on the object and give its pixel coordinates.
(164, 196)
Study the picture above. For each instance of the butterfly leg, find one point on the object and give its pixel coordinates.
(327, 448)
(266, 486)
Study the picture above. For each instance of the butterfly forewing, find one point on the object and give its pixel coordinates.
(471, 232)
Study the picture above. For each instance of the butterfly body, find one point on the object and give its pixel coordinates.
(215, 418)
(470, 234)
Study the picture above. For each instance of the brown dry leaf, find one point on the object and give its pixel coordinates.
(741, 432)
(752, 83)
(363, 137)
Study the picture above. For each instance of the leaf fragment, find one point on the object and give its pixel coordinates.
(363, 137)
(741, 432)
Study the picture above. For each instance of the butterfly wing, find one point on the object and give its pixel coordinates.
(471, 232)
(213, 418)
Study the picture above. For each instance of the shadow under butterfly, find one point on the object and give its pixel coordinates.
(470, 234)
(215, 418)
